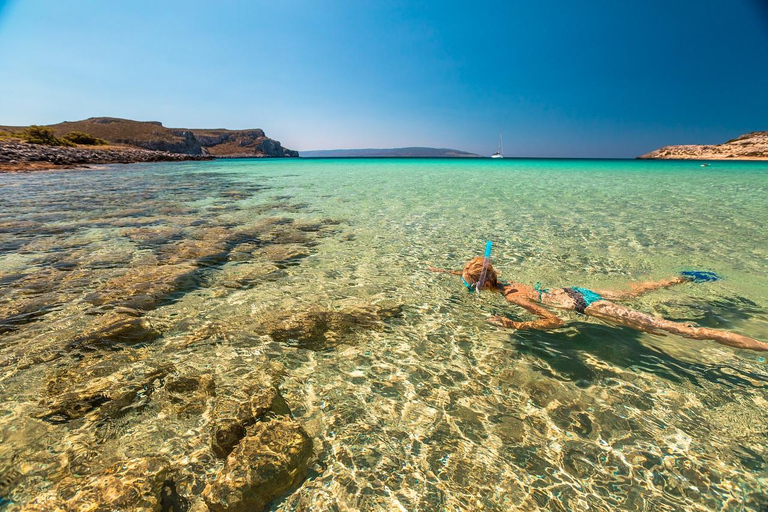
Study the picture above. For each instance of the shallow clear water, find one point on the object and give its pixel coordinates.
(432, 408)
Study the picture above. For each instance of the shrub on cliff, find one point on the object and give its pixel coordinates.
(42, 135)
(85, 138)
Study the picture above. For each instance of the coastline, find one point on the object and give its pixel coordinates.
(17, 156)
(750, 146)
(706, 158)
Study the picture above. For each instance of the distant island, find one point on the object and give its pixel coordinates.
(100, 140)
(751, 146)
(415, 152)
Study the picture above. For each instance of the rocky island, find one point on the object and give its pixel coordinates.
(751, 146)
(113, 140)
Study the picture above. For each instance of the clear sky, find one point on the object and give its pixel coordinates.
(590, 78)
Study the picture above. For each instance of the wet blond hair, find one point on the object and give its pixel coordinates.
(474, 268)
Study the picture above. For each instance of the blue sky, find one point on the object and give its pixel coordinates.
(557, 78)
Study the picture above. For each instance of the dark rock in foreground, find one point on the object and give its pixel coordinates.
(271, 459)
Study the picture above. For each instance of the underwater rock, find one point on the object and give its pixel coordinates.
(110, 395)
(244, 276)
(72, 374)
(153, 237)
(232, 414)
(198, 505)
(128, 485)
(225, 436)
(170, 501)
(571, 418)
(279, 206)
(270, 460)
(289, 236)
(115, 329)
(183, 384)
(198, 252)
(21, 312)
(318, 329)
(243, 252)
(309, 226)
(285, 253)
(581, 460)
(263, 401)
(509, 428)
(189, 394)
(9, 478)
(235, 195)
(145, 287)
(45, 281)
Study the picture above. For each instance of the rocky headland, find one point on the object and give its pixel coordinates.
(751, 146)
(131, 141)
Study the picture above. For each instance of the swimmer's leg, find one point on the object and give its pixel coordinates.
(637, 289)
(616, 313)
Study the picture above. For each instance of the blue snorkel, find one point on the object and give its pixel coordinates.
(486, 261)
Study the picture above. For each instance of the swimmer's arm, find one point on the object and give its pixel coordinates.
(547, 319)
(454, 272)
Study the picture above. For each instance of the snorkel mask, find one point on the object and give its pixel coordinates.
(486, 261)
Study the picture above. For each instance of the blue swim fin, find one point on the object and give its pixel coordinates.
(700, 276)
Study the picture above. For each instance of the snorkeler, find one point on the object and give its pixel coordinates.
(479, 274)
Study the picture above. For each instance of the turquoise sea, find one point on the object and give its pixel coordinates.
(411, 399)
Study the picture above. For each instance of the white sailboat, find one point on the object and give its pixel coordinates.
(500, 152)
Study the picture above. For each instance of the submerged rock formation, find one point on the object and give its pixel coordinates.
(127, 485)
(751, 146)
(320, 329)
(271, 459)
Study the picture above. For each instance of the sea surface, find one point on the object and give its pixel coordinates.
(417, 403)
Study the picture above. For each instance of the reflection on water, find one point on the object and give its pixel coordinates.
(143, 305)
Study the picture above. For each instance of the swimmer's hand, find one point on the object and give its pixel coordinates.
(503, 322)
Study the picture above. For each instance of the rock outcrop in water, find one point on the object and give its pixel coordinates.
(271, 459)
(752, 146)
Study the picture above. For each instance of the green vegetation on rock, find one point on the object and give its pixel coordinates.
(43, 135)
(85, 138)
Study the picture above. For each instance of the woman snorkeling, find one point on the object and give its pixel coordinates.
(479, 274)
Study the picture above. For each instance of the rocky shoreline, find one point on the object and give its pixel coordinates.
(750, 146)
(126, 134)
(18, 156)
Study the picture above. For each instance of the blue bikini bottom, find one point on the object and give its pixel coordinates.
(582, 297)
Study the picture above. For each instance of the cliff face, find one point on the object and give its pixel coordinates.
(751, 146)
(240, 143)
(154, 136)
